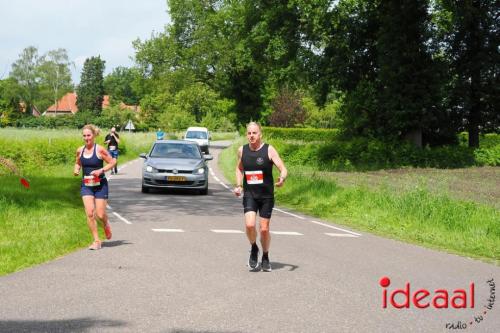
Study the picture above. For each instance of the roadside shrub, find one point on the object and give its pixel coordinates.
(488, 156)
(304, 134)
(363, 154)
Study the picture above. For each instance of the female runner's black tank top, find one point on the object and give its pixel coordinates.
(258, 179)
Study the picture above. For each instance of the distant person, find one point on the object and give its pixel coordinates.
(160, 135)
(254, 175)
(94, 187)
(112, 140)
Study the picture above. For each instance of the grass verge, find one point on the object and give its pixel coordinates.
(47, 220)
(416, 215)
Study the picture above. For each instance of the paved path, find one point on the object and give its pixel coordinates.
(177, 264)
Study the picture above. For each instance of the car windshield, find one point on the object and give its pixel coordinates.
(196, 135)
(175, 150)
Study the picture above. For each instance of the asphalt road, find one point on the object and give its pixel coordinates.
(177, 263)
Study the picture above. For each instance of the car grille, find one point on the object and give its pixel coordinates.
(172, 171)
(170, 182)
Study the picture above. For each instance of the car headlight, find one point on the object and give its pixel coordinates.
(149, 168)
(200, 171)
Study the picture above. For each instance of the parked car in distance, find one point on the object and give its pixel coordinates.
(200, 135)
(175, 164)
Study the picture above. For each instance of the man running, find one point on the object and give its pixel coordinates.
(112, 140)
(254, 171)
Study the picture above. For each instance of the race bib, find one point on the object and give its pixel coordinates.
(254, 177)
(91, 181)
(112, 147)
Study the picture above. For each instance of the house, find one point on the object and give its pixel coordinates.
(67, 106)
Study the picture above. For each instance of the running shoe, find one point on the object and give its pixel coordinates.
(253, 261)
(266, 265)
(107, 230)
(95, 245)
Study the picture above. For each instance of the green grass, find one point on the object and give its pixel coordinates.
(40, 223)
(413, 214)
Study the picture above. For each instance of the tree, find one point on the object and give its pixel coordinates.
(287, 109)
(90, 91)
(407, 85)
(119, 84)
(9, 101)
(54, 71)
(472, 40)
(25, 72)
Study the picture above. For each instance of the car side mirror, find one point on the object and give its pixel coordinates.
(208, 157)
(143, 155)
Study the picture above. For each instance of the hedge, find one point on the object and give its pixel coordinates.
(363, 154)
(305, 134)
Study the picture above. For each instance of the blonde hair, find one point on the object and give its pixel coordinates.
(253, 123)
(94, 129)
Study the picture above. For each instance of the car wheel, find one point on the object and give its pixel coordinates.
(204, 191)
(144, 189)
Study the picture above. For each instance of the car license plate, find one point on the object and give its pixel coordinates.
(176, 178)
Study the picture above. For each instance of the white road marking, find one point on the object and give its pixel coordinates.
(167, 230)
(282, 211)
(121, 218)
(336, 228)
(226, 231)
(224, 185)
(288, 233)
(339, 235)
(217, 179)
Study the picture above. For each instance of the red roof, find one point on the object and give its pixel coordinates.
(68, 104)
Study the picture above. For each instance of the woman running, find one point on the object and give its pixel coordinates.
(94, 187)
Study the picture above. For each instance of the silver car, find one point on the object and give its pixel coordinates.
(175, 164)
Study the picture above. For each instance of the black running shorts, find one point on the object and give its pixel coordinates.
(263, 206)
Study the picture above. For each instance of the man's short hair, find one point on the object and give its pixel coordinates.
(253, 123)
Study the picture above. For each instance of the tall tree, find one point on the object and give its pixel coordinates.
(25, 72)
(407, 86)
(472, 39)
(90, 91)
(54, 70)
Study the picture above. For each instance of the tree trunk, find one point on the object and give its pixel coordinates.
(475, 76)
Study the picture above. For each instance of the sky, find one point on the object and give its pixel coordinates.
(85, 28)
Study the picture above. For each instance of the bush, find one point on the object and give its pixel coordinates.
(305, 134)
(363, 154)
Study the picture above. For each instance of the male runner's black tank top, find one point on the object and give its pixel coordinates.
(257, 172)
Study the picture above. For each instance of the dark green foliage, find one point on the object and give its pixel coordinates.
(406, 82)
(471, 36)
(303, 134)
(122, 84)
(90, 91)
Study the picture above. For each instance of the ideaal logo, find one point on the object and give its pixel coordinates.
(423, 298)
(438, 299)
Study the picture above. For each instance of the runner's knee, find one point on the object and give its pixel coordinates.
(90, 213)
(101, 215)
